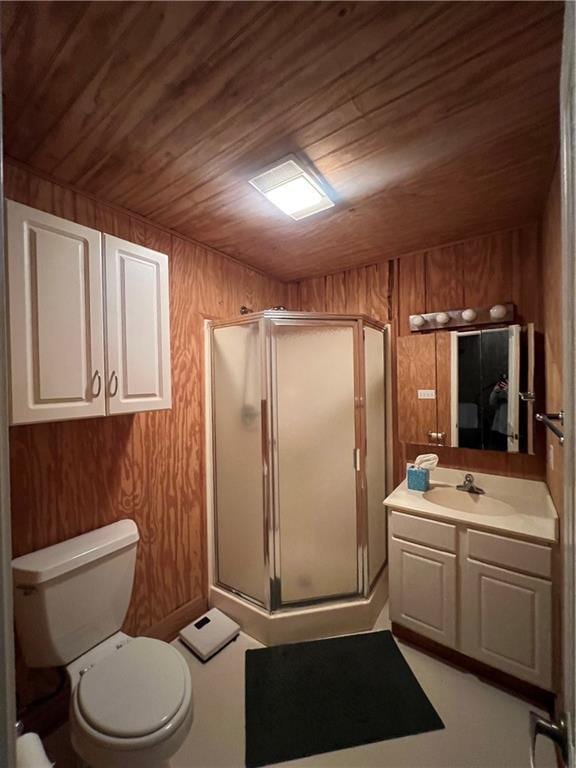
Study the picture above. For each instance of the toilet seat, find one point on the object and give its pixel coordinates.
(135, 691)
(105, 703)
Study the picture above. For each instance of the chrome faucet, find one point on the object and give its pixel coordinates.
(469, 486)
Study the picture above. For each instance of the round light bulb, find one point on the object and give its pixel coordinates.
(498, 312)
(418, 321)
(469, 315)
(442, 318)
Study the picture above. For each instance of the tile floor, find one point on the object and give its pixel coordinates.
(485, 727)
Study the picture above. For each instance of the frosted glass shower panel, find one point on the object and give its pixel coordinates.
(239, 523)
(375, 449)
(316, 478)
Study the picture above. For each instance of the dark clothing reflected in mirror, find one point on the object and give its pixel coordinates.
(498, 401)
(483, 390)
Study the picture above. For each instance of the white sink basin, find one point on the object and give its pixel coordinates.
(462, 501)
(511, 505)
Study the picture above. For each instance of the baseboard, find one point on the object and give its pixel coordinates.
(527, 691)
(167, 629)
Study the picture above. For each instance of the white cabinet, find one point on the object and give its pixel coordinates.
(423, 590)
(84, 341)
(506, 621)
(56, 317)
(485, 595)
(138, 327)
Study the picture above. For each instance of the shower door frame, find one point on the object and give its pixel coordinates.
(270, 507)
(384, 329)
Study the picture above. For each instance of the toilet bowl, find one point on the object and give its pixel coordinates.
(131, 702)
(133, 707)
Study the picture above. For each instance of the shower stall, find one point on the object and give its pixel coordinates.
(298, 452)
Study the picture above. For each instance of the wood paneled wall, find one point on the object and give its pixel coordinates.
(481, 271)
(69, 477)
(366, 290)
(552, 287)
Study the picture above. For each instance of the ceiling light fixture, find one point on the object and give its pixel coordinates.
(292, 189)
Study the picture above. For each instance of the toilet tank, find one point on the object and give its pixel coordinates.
(73, 595)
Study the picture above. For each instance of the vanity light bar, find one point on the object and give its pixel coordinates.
(459, 318)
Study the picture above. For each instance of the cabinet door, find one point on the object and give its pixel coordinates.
(506, 621)
(138, 327)
(56, 317)
(417, 414)
(423, 590)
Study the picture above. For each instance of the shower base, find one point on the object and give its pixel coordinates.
(309, 623)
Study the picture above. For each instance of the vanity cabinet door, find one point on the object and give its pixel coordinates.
(506, 621)
(138, 327)
(423, 590)
(56, 317)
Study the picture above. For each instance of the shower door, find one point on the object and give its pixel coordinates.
(316, 460)
(238, 486)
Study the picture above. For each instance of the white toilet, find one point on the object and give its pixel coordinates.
(131, 697)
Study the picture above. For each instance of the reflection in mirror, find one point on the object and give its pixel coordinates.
(488, 370)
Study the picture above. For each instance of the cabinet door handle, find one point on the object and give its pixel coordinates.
(113, 382)
(96, 378)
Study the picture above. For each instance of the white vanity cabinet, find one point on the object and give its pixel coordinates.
(506, 605)
(423, 586)
(89, 321)
(484, 595)
(506, 621)
(423, 576)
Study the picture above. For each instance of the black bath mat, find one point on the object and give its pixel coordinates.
(307, 698)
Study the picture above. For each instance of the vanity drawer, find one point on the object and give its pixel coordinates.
(423, 531)
(516, 555)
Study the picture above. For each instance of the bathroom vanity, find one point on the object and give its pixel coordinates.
(472, 576)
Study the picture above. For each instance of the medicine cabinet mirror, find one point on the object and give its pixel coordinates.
(491, 389)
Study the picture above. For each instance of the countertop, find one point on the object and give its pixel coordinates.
(533, 514)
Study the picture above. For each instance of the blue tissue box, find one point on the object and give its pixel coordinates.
(418, 479)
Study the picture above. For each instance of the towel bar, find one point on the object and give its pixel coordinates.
(548, 420)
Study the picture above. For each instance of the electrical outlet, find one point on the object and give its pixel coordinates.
(551, 455)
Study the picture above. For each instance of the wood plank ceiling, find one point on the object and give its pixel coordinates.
(430, 121)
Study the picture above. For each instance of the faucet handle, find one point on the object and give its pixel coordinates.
(468, 478)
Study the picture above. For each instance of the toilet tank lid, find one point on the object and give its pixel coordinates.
(51, 562)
